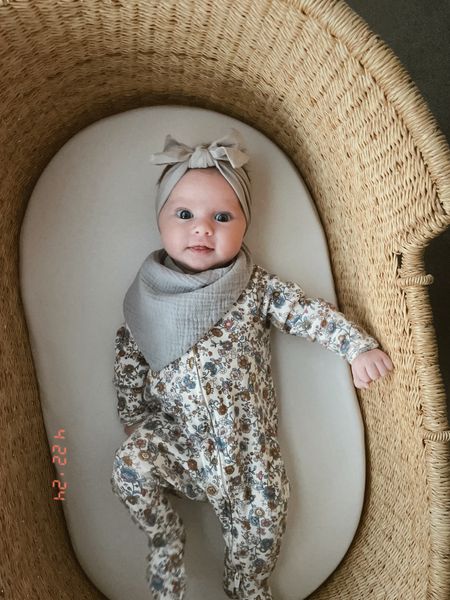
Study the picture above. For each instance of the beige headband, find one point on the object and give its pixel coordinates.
(226, 154)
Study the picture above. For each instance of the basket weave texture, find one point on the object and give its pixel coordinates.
(311, 76)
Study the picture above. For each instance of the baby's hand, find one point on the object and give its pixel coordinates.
(369, 366)
(130, 428)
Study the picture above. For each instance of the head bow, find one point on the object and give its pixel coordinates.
(227, 154)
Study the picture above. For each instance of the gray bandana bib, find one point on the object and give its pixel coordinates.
(168, 311)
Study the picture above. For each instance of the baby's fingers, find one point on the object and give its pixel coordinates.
(383, 365)
(372, 371)
(381, 368)
(387, 362)
(359, 383)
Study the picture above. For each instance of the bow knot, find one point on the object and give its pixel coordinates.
(201, 158)
(227, 148)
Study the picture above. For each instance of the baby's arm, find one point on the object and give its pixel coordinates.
(288, 308)
(130, 373)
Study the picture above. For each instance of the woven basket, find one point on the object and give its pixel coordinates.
(312, 77)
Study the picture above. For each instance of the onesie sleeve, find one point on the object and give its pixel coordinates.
(130, 373)
(288, 308)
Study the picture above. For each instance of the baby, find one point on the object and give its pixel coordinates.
(193, 376)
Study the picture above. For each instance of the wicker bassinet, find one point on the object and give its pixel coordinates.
(311, 76)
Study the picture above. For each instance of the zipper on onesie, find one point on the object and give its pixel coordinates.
(225, 489)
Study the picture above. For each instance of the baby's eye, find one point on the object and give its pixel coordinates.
(223, 217)
(184, 214)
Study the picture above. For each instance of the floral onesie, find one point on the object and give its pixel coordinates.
(209, 433)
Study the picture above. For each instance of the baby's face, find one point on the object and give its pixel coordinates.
(202, 224)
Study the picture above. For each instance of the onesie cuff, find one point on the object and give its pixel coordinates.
(352, 354)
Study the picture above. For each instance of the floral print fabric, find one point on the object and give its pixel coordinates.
(209, 432)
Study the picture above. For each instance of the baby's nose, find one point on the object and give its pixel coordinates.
(203, 227)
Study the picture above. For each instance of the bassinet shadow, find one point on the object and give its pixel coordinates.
(318, 82)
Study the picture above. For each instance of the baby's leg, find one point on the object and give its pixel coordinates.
(142, 488)
(257, 522)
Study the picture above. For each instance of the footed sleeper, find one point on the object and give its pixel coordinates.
(209, 433)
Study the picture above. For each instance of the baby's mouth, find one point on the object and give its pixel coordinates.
(200, 248)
